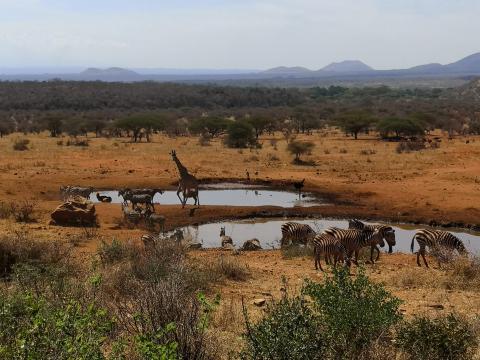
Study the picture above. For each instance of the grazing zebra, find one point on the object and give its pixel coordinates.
(354, 240)
(151, 192)
(138, 199)
(329, 246)
(72, 191)
(388, 233)
(436, 239)
(296, 233)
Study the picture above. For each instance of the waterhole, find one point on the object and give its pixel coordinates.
(269, 233)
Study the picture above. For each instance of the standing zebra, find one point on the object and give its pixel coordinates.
(296, 233)
(387, 232)
(354, 240)
(329, 246)
(435, 239)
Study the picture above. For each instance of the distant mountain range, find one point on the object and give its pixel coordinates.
(346, 72)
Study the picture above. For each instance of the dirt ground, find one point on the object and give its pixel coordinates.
(363, 178)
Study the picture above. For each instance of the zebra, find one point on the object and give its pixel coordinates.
(293, 232)
(226, 240)
(354, 240)
(436, 239)
(329, 246)
(387, 232)
(151, 192)
(71, 191)
(138, 199)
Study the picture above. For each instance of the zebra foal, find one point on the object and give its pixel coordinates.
(436, 239)
(296, 233)
(325, 244)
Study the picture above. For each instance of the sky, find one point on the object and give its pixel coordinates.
(235, 34)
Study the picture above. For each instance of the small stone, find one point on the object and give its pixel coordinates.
(437, 306)
(259, 302)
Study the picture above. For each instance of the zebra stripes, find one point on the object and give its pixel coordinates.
(329, 246)
(296, 233)
(387, 232)
(436, 239)
(354, 240)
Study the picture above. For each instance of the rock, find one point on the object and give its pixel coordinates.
(251, 245)
(437, 306)
(195, 245)
(230, 247)
(259, 302)
(78, 211)
(226, 240)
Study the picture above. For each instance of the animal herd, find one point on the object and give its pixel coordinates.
(344, 245)
(335, 244)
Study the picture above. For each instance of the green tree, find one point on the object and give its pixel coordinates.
(212, 126)
(400, 127)
(259, 124)
(140, 124)
(240, 135)
(355, 122)
(54, 125)
(299, 148)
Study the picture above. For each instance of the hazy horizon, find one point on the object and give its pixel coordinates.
(227, 35)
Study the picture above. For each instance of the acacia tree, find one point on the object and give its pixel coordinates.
(140, 124)
(400, 127)
(212, 126)
(299, 148)
(54, 125)
(355, 122)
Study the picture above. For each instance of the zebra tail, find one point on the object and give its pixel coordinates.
(412, 244)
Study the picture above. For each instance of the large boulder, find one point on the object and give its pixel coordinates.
(77, 212)
(252, 245)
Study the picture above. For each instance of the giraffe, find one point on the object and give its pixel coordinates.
(188, 184)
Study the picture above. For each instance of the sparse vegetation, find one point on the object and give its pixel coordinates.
(21, 144)
(445, 337)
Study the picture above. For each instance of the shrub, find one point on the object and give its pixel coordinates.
(344, 318)
(299, 148)
(240, 135)
(408, 146)
(294, 250)
(354, 313)
(113, 252)
(289, 330)
(23, 211)
(21, 144)
(5, 210)
(34, 328)
(446, 337)
(204, 140)
(231, 269)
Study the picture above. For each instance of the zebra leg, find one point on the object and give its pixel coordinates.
(356, 257)
(378, 252)
(421, 251)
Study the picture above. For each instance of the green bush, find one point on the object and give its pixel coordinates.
(240, 135)
(343, 319)
(299, 148)
(354, 312)
(156, 347)
(289, 331)
(33, 328)
(446, 337)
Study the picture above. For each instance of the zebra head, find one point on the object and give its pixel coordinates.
(173, 153)
(222, 231)
(389, 236)
(375, 237)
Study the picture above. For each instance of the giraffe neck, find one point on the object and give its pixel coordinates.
(181, 169)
